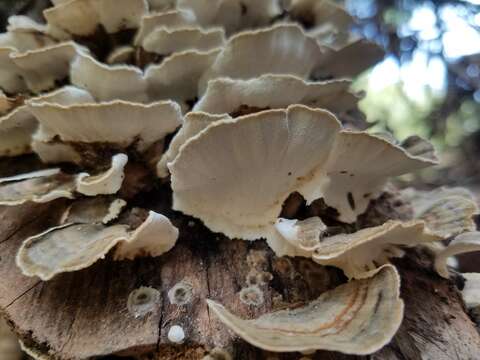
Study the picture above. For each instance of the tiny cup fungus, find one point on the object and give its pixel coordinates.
(143, 301)
(233, 106)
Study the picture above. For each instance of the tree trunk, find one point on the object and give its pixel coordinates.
(84, 314)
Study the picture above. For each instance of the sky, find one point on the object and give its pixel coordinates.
(459, 39)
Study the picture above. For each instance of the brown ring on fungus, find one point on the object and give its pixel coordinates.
(143, 301)
(359, 317)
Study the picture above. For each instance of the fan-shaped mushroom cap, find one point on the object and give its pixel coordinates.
(446, 211)
(193, 123)
(172, 19)
(154, 237)
(232, 14)
(280, 49)
(11, 81)
(16, 129)
(359, 317)
(99, 209)
(463, 243)
(297, 238)
(338, 63)
(108, 82)
(39, 186)
(82, 17)
(367, 248)
(41, 68)
(235, 174)
(328, 22)
(357, 170)
(72, 247)
(108, 182)
(272, 91)
(471, 289)
(164, 41)
(66, 248)
(417, 146)
(178, 76)
(25, 34)
(116, 122)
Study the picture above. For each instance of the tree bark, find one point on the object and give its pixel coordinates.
(84, 314)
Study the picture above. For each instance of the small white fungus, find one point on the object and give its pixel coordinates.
(176, 334)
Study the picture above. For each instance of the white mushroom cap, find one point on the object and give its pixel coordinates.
(82, 17)
(25, 34)
(172, 19)
(280, 49)
(446, 211)
(463, 243)
(275, 91)
(471, 290)
(357, 170)
(39, 186)
(178, 76)
(164, 41)
(298, 238)
(11, 80)
(108, 182)
(359, 317)
(368, 248)
(235, 174)
(99, 209)
(232, 14)
(108, 82)
(193, 123)
(117, 121)
(16, 129)
(328, 22)
(154, 237)
(41, 68)
(72, 247)
(67, 248)
(338, 63)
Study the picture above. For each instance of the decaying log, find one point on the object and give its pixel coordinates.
(84, 314)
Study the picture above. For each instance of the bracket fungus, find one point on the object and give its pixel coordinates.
(356, 318)
(239, 111)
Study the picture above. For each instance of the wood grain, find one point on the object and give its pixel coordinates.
(84, 314)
